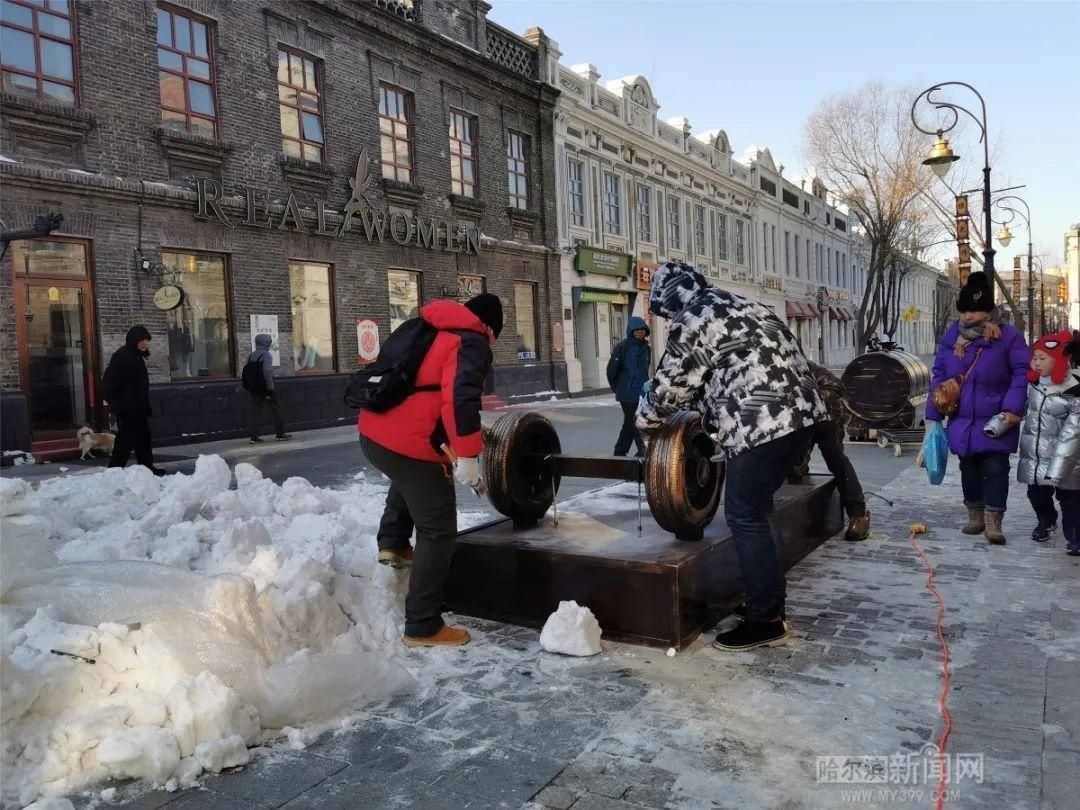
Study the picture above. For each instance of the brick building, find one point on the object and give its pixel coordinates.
(314, 169)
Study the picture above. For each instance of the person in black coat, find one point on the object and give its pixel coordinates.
(126, 384)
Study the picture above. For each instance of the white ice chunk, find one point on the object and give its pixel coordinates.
(571, 630)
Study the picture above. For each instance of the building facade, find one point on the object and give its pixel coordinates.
(315, 170)
(1072, 275)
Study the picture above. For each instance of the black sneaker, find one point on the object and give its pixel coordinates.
(284, 437)
(256, 440)
(1073, 549)
(751, 635)
(1042, 532)
(740, 611)
(158, 471)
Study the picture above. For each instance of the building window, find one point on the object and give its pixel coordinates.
(699, 230)
(186, 72)
(395, 134)
(644, 210)
(721, 238)
(797, 271)
(198, 330)
(312, 317)
(612, 205)
(37, 49)
(674, 223)
(787, 253)
(462, 154)
(740, 242)
(765, 244)
(525, 319)
(470, 287)
(404, 296)
(517, 170)
(772, 235)
(575, 188)
(300, 103)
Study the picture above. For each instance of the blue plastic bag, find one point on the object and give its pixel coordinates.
(935, 452)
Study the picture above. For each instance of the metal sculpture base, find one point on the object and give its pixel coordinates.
(649, 589)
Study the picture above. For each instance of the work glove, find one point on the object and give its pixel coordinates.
(467, 472)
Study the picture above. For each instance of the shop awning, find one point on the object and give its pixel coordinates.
(848, 313)
(810, 310)
(835, 314)
(796, 309)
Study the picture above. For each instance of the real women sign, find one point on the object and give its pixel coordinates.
(357, 217)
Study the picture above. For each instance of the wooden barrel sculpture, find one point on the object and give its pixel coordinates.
(884, 389)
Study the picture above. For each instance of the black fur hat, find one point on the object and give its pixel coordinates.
(976, 295)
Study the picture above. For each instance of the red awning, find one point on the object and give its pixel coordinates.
(835, 314)
(810, 310)
(793, 310)
(849, 313)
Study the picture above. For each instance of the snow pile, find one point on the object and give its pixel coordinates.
(571, 630)
(155, 628)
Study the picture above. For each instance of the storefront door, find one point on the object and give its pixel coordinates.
(54, 324)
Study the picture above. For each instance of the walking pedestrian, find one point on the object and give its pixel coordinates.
(404, 443)
(126, 385)
(1050, 440)
(627, 372)
(988, 364)
(829, 439)
(257, 379)
(736, 363)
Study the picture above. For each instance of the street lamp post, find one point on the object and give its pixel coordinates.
(1005, 237)
(942, 156)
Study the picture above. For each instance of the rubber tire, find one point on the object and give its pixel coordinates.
(681, 484)
(517, 485)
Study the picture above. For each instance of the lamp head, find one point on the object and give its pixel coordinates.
(941, 157)
(1005, 236)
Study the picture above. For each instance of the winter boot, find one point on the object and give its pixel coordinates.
(1072, 547)
(446, 637)
(858, 527)
(976, 521)
(993, 528)
(1041, 533)
(751, 635)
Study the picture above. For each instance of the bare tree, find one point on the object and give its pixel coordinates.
(863, 146)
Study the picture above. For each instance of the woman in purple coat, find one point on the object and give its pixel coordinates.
(997, 383)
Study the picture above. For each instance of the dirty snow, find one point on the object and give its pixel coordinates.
(571, 630)
(157, 628)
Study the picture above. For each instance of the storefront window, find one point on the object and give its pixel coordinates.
(404, 296)
(198, 330)
(49, 258)
(525, 319)
(312, 317)
(469, 287)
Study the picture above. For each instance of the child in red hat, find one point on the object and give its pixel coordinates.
(1050, 439)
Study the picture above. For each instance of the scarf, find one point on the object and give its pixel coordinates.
(968, 334)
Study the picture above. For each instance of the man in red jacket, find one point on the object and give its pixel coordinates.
(404, 444)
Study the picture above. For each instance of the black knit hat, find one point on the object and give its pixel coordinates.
(976, 295)
(137, 333)
(488, 308)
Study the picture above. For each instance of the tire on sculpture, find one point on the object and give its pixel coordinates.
(682, 484)
(520, 484)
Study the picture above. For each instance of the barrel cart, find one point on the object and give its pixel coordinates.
(885, 392)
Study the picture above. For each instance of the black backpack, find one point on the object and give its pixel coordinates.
(391, 379)
(251, 378)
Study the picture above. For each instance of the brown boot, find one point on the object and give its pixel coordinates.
(396, 557)
(993, 528)
(446, 637)
(859, 527)
(976, 521)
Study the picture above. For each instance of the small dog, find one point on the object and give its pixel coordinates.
(90, 441)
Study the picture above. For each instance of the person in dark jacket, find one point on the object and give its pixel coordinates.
(405, 444)
(627, 372)
(126, 385)
(829, 439)
(995, 360)
(266, 398)
(734, 362)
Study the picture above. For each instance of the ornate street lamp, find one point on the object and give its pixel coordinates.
(1005, 236)
(942, 157)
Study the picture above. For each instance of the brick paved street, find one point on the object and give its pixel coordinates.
(506, 725)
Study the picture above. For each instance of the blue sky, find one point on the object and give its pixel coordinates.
(757, 69)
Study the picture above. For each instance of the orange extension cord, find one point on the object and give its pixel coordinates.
(945, 673)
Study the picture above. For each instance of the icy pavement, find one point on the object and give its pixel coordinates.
(500, 723)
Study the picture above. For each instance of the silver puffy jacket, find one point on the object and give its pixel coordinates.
(1050, 437)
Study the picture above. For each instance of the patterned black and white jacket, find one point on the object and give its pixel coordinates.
(730, 359)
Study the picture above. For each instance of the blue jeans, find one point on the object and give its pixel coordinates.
(751, 480)
(984, 478)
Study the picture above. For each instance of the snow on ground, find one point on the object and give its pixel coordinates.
(156, 628)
